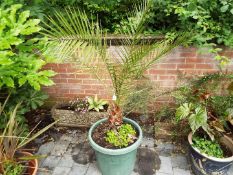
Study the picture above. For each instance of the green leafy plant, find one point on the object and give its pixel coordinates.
(122, 137)
(215, 87)
(73, 30)
(209, 19)
(209, 147)
(20, 57)
(13, 168)
(12, 140)
(21, 61)
(205, 103)
(96, 104)
(196, 115)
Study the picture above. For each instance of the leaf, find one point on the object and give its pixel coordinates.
(22, 81)
(5, 61)
(224, 8)
(90, 100)
(9, 81)
(34, 84)
(23, 16)
(45, 81)
(231, 11)
(47, 73)
(183, 111)
(198, 119)
(26, 141)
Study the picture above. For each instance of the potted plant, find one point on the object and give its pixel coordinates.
(80, 112)
(116, 139)
(210, 118)
(13, 157)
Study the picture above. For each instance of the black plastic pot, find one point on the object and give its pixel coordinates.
(203, 164)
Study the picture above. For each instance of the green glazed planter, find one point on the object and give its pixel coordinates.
(116, 161)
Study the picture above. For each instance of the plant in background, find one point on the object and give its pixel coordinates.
(138, 102)
(96, 104)
(211, 20)
(205, 103)
(222, 60)
(133, 58)
(21, 61)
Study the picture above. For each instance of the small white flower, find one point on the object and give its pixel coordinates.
(114, 97)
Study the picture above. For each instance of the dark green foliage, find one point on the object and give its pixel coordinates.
(122, 137)
(211, 20)
(29, 98)
(211, 148)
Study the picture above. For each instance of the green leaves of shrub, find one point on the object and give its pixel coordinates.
(196, 116)
(211, 148)
(20, 57)
(124, 135)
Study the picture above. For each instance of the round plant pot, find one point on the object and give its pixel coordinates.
(203, 164)
(116, 161)
(33, 164)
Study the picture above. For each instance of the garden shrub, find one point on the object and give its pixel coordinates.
(211, 20)
(21, 60)
(210, 90)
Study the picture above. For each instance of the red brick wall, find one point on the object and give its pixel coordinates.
(77, 83)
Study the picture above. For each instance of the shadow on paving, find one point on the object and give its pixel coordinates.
(147, 159)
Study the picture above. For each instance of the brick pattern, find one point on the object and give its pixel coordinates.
(76, 82)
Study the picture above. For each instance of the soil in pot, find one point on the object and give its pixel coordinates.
(99, 135)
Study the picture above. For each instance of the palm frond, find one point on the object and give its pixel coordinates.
(73, 35)
(71, 32)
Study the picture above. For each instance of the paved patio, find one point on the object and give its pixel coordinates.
(71, 154)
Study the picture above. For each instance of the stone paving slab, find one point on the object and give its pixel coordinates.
(93, 170)
(166, 165)
(79, 169)
(61, 171)
(180, 161)
(179, 171)
(72, 155)
(66, 161)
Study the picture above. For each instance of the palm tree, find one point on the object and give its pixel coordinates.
(72, 32)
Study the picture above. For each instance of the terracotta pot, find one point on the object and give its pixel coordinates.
(33, 164)
(203, 164)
